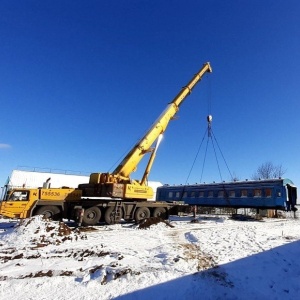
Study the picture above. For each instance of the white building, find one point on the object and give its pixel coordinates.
(32, 179)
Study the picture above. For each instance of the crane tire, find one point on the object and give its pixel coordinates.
(141, 213)
(160, 212)
(110, 216)
(50, 212)
(91, 216)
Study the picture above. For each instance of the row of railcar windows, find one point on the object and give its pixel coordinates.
(222, 193)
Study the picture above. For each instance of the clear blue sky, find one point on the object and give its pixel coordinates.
(81, 81)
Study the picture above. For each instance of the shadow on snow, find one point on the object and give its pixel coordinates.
(272, 274)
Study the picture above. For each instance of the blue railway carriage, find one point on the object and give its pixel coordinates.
(278, 194)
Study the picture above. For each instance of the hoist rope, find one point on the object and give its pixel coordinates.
(204, 160)
(210, 136)
(196, 156)
(223, 156)
(209, 98)
(212, 141)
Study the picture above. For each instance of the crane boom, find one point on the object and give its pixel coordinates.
(131, 160)
(118, 183)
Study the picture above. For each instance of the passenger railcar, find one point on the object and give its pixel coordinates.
(278, 194)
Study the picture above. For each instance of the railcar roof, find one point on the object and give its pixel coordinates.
(282, 181)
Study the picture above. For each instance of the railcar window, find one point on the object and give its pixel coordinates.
(231, 194)
(170, 195)
(243, 193)
(184, 195)
(221, 194)
(192, 194)
(201, 194)
(177, 195)
(268, 192)
(210, 194)
(257, 193)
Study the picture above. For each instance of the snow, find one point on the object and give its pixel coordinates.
(214, 258)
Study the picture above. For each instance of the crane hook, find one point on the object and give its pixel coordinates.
(209, 120)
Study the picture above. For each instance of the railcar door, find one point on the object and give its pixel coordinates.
(292, 197)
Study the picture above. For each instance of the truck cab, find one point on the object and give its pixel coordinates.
(15, 202)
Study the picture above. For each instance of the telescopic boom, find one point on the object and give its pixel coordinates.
(131, 160)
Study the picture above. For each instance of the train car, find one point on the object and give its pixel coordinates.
(280, 194)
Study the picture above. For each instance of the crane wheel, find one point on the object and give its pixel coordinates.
(92, 216)
(160, 212)
(141, 213)
(113, 216)
(49, 212)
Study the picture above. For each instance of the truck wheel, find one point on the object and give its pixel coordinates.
(142, 213)
(160, 212)
(91, 216)
(50, 212)
(110, 216)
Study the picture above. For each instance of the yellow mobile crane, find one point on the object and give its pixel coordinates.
(108, 196)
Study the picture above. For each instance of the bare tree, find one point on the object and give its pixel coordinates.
(235, 177)
(268, 170)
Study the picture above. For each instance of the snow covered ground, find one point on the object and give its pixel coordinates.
(214, 258)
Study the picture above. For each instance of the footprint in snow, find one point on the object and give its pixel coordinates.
(190, 237)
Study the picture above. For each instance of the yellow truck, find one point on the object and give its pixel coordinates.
(108, 196)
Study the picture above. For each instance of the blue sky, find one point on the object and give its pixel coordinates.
(81, 82)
